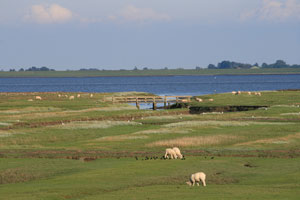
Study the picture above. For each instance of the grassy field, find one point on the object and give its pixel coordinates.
(156, 72)
(89, 148)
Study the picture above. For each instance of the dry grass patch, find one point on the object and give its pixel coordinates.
(112, 108)
(278, 140)
(163, 131)
(298, 113)
(198, 141)
(95, 124)
(220, 123)
(30, 110)
(17, 175)
(5, 124)
(121, 138)
(9, 133)
(170, 117)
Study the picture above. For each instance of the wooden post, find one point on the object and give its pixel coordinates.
(154, 104)
(176, 99)
(165, 102)
(137, 103)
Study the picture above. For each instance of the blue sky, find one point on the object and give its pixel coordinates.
(121, 34)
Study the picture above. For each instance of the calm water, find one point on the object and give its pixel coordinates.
(160, 85)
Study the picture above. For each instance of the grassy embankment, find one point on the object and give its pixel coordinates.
(45, 147)
(159, 72)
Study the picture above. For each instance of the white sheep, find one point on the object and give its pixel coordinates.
(71, 97)
(78, 95)
(170, 152)
(91, 95)
(234, 92)
(197, 177)
(199, 100)
(38, 98)
(178, 153)
(210, 100)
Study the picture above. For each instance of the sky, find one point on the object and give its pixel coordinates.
(123, 34)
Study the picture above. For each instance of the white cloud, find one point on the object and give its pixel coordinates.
(275, 10)
(49, 14)
(132, 13)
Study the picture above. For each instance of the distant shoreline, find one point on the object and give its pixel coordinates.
(136, 73)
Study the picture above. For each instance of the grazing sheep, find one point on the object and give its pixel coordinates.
(197, 177)
(170, 152)
(199, 100)
(249, 93)
(91, 95)
(38, 98)
(239, 92)
(178, 153)
(78, 95)
(71, 97)
(30, 100)
(234, 92)
(210, 100)
(259, 94)
(59, 95)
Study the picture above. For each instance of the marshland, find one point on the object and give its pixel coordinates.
(90, 148)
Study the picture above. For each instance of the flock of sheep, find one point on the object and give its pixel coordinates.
(61, 96)
(249, 93)
(234, 93)
(174, 153)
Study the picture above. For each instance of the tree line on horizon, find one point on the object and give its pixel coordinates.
(221, 65)
(237, 65)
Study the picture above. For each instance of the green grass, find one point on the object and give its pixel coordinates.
(157, 72)
(44, 146)
(227, 178)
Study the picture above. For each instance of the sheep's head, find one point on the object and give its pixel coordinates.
(189, 183)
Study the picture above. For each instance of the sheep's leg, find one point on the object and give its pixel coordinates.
(198, 183)
(166, 155)
(203, 182)
(193, 183)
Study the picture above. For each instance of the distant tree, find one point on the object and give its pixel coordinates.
(145, 68)
(135, 68)
(198, 68)
(280, 64)
(256, 65)
(12, 70)
(44, 69)
(277, 64)
(166, 68)
(211, 66)
(233, 65)
(21, 70)
(295, 66)
(33, 68)
(264, 65)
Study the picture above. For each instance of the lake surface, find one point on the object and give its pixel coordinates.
(160, 85)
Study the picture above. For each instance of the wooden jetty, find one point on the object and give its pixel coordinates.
(166, 100)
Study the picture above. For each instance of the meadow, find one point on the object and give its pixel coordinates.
(89, 148)
(149, 72)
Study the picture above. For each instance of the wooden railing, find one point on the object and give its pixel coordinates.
(152, 99)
